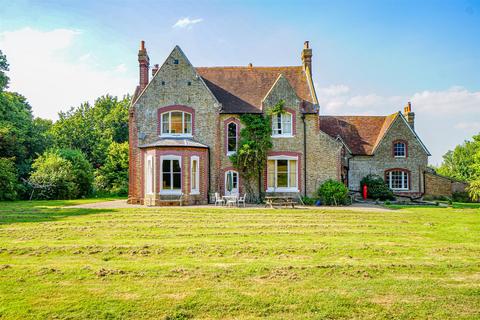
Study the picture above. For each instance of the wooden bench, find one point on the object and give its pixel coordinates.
(272, 201)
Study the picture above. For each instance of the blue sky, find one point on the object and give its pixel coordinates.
(370, 57)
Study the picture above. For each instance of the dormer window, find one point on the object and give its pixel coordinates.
(400, 149)
(282, 125)
(176, 123)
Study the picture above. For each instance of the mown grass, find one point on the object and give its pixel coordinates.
(209, 263)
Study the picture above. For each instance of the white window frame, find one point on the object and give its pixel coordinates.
(283, 189)
(195, 189)
(238, 183)
(171, 191)
(282, 123)
(167, 134)
(150, 175)
(229, 153)
(404, 149)
(404, 173)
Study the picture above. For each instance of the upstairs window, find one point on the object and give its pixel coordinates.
(176, 123)
(231, 138)
(397, 179)
(399, 149)
(282, 125)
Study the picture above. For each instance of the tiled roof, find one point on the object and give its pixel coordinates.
(242, 89)
(361, 134)
(174, 142)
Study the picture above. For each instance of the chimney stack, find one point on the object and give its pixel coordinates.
(409, 115)
(144, 65)
(307, 58)
(155, 69)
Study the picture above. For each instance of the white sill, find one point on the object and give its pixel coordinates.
(282, 190)
(171, 135)
(171, 192)
(231, 153)
(393, 189)
(401, 157)
(195, 192)
(282, 135)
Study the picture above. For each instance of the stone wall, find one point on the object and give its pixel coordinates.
(415, 162)
(436, 185)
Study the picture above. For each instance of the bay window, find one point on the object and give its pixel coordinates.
(149, 175)
(282, 174)
(282, 125)
(397, 179)
(176, 123)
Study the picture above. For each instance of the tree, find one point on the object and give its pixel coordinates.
(3, 68)
(463, 162)
(8, 179)
(82, 170)
(474, 190)
(113, 176)
(255, 142)
(53, 177)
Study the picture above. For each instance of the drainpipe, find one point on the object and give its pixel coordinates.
(304, 155)
(208, 179)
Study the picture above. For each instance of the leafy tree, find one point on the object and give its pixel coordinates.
(93, 128)
(113, 176)
(463, 162)
(54, 177)
(82, 170)
(474, 190)
(8, 179)
(3, 68)
(255, 142)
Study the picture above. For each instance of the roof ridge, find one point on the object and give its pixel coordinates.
(248, 67)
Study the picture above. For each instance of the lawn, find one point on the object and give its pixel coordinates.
(209, 263)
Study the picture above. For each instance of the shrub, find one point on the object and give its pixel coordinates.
(82, 170)
(53, 177)
(333, 192)
(376, 188)
(308, 201)
(460, 197)
(8, 179)
(474, 190)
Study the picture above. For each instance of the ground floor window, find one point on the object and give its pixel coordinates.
(149, 175)
(171, 178)
(282, 174)
(231, 182)
(397, 179)
(194, 175)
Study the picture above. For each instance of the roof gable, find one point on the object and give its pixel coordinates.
(242, 89)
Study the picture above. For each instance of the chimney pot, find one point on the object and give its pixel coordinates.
(142, 45)
(306, 44)
(250, 65)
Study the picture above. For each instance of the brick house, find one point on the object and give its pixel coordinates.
(185, 123)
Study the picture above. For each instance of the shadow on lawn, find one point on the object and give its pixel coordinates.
(41, 213)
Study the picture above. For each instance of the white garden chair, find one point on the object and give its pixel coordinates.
(242, 200)
(218, 199)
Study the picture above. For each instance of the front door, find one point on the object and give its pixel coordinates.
(231, 182)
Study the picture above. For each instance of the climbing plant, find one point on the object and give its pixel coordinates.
(255, 142)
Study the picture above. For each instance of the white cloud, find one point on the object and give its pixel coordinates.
(52, 78)
(474, 125)
(122, 68)
(186, 22)
(450, 101)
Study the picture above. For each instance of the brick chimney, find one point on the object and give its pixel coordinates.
(144, 65)
(307, 58)
(409, 115)
(155, 69)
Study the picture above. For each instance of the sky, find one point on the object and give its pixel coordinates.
(369, 57)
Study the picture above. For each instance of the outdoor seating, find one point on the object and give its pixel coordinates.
(218, 199)
(231, 200)
(242, 200)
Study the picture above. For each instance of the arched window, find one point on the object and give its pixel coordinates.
(176, 123)
(232, 138)
(400, 149)
(282, 125)
(398, 179)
